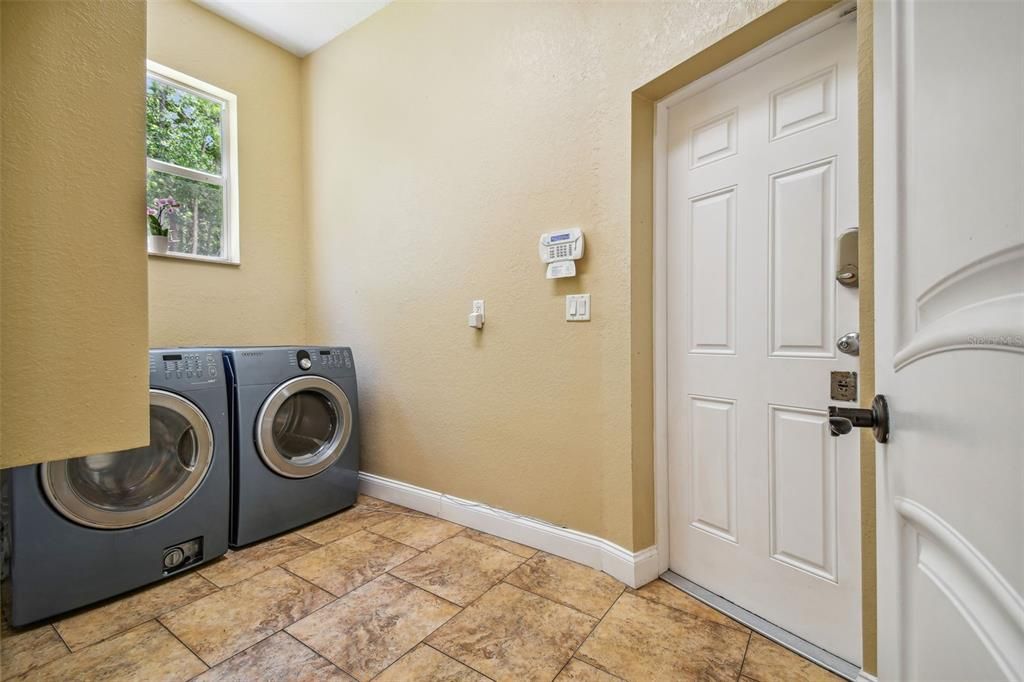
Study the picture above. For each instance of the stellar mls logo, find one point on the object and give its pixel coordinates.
(1013, 340)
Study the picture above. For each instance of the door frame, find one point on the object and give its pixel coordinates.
(773, 46)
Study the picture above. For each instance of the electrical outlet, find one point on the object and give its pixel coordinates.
(476, 317)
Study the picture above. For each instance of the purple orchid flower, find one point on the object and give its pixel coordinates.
(155, 215)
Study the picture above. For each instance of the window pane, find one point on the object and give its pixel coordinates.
(182, 128)
(198, 226)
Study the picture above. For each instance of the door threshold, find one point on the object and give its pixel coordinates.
(799, 646)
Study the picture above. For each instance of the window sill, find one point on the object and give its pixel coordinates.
(198, 259)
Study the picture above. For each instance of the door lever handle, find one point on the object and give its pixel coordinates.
(838, 426)
(841, 420)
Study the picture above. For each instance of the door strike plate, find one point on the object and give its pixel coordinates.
(844, 386)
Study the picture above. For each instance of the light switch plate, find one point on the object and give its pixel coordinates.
(577, 308)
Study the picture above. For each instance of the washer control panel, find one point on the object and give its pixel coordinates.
(188, 366)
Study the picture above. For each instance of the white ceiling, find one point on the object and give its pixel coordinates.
(299, 26)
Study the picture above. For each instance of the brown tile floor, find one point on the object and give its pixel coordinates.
(386, 593)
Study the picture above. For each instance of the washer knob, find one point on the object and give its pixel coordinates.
(305, 363)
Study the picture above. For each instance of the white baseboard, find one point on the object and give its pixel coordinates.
(866, 677)
(633, 568)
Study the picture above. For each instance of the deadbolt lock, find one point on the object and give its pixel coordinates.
(846, 258)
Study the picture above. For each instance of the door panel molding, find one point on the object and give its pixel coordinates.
(985, 599)
(794, 541)
(976, 297)
(712, 242)
(713, 140)
(808, 103)
(712, 481)
(797, 286)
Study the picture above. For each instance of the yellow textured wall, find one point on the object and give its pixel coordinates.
(866, 271)
(74, 337)
(261, 301)
(441, 140)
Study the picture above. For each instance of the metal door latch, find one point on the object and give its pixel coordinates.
(841, 420)
(843, 386)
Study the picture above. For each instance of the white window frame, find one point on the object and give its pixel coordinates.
(228, 154)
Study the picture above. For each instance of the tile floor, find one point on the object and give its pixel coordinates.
(385, 593)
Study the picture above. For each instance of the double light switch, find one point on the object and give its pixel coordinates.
(577, 307)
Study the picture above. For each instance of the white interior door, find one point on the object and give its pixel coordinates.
(949, 223)
(761, 179)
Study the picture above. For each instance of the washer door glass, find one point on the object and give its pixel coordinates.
(303, 426)
(132, 487)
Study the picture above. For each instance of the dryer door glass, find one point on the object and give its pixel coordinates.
(304, 423)
(304, 426)
(132, 487)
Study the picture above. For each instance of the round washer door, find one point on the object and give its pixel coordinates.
(303, 426)
(131, 487)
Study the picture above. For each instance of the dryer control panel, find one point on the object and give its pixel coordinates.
(335, 357)
(256, 366)
(320, 359)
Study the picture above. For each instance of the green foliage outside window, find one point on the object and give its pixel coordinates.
(185, 130)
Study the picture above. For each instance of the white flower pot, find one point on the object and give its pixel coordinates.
(157, 244)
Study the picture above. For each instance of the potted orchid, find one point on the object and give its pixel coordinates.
(155, 216)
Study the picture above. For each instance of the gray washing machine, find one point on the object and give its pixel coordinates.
(296, 449)
(85, 529)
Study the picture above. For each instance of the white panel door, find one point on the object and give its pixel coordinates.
(761, 179)
(949, 223)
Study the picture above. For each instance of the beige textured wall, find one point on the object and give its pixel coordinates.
(866, 271)
(441, 140)
(75, 375)
(261, 301)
